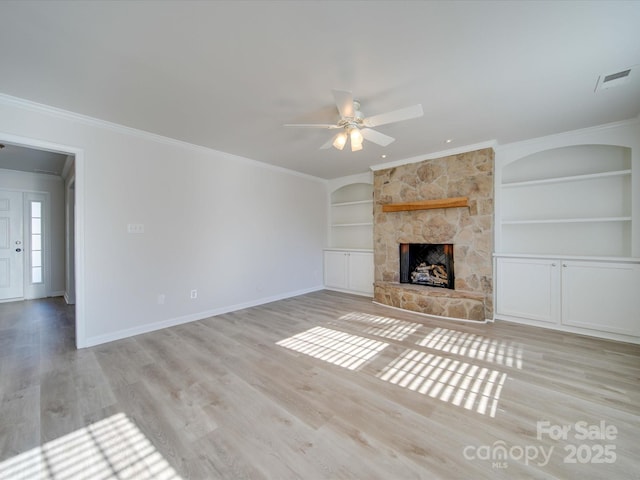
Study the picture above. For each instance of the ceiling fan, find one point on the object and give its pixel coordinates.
(355, 126)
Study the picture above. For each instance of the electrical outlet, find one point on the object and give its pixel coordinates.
(194, 294)
(135, 228)
(161, 298)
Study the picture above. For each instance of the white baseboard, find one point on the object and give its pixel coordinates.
(352, 292)
(619, 337)
(172, 322)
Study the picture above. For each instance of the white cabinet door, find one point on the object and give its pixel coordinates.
(335, 269)
(528, 288)
(601, 296)
(350, 271)
(360, 272)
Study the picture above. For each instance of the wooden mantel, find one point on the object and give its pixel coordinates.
(427, 204)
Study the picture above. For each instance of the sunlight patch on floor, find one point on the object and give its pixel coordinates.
(113, 448)
(454, 381)
(333, 346)
(451, 378)
(386, 327)
(474, 346)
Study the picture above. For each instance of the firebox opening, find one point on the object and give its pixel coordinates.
(427, 264)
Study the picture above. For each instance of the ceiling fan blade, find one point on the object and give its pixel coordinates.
(328, 143)
(376, 137)
(407, 113)
(328, 126)
(344, 102)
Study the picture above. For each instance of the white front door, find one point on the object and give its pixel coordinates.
(11, 246)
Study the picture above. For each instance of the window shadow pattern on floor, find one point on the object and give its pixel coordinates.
(446, 364)
(112, 448)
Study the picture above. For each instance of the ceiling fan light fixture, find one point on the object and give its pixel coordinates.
(356, 135)
(340, 141)
(356, 139)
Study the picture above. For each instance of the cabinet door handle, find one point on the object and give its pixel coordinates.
(564, 264)
(553, 264)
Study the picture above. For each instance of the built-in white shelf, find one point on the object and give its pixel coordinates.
(569, 257)
(367, 224)
(572, 178)
(566, 220)
(345, 204)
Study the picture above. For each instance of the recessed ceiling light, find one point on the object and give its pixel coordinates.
(448, 140)
(384, 155)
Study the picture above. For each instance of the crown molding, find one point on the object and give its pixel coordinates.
(560, 137)
(434, 155)
(122, 129)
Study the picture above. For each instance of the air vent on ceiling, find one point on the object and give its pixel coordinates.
(613, 79)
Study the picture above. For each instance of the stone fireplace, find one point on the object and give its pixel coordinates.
(468, 230)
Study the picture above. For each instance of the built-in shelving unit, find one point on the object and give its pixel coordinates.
(352, 217)
(569, 200)
(568, 232)
(348, 261)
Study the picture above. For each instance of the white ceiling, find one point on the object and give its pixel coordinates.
(229, 74)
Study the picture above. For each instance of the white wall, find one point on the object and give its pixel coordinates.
(34, 182)
(238, 231)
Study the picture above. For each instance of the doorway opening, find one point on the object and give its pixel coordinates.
(44, 177)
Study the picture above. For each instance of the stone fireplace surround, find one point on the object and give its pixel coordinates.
(469, 229)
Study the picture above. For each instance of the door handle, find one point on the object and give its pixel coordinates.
(18, 249)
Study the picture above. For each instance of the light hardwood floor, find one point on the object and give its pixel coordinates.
(325, 385)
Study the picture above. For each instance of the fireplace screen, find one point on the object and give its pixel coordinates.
(427, 264)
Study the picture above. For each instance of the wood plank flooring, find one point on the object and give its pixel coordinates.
(320, 386)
